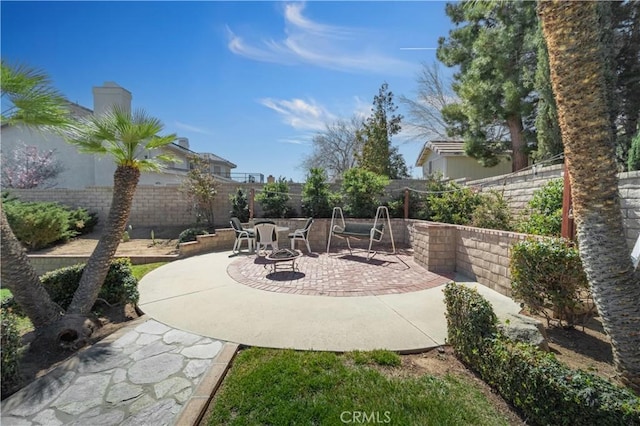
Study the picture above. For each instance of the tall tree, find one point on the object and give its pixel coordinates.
(548, 137)
(31, 100)
(336, 148)
(433, 94)
(376, 134)
(123, 136)
(573, 34)
(494, 46)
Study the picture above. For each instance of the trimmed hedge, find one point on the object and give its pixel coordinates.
(548, 274)
(120, 286)
(9, 347)
(544, 390)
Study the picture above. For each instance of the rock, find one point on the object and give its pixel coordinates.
(521, 328)
(37, 395)
(181, 337)
(126, 340)
(155, 348)
(85, 393)
(145, 339)
(123, 392)
(47, 417)
(161, 413)
(152, 327)
(155, 368)
(109, 418)
(171, 386)
(196, 367)
(202, 351)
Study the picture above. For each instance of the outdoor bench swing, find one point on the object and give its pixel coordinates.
(372, 231)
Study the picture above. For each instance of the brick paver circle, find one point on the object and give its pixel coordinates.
(338, 274)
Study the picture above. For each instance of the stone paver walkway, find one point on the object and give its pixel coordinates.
(338, 274)
(144, 374)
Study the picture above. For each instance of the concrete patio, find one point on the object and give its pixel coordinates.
(334, 303)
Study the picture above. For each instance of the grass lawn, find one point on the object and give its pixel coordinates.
(277, 387)
(140, 271)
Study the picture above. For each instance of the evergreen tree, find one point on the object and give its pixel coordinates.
(494, 44)
(377, 132)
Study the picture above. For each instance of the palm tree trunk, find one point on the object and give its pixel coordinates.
(19, 276)
(125, 181)
(571, 30)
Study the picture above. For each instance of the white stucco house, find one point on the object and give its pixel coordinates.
(83, 170)
(449, 158)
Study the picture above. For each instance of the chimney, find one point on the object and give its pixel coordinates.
(108, 95)
(183, 142)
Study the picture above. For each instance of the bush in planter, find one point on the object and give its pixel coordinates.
(547, 275)
(492, 212)
(240, 205)
(274, 198)
(120, 286)
(361, 190)
(544, 213)
(81, 221)
(541, 388)
(38, 225)
(190, 234)
(317, 199)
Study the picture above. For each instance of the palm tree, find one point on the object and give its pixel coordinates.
(32, 101)
(572, 32)
(124, 137)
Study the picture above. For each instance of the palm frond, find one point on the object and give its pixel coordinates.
(122, 135)
(32, 100)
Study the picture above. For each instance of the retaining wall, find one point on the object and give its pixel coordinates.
(519, 188)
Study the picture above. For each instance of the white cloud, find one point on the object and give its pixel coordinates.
(293, 141)
(300, 114)
(327, 46)
(191, 128)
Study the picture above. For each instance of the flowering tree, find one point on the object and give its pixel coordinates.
(28, 168)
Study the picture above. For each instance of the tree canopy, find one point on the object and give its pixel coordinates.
(494, 44)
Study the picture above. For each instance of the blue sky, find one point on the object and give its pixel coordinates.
(249, 81)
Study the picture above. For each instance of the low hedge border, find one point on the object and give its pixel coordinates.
(545, 391)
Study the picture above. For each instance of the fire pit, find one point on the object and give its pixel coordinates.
(278, 259)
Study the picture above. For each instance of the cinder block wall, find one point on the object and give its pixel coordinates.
(519, 188)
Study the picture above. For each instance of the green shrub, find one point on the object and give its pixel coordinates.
(544, 213)
(81, 221)
(317, 199)
(9, 348)
(38, 225)
(471, 321)
(120, 286)
(456, 205)
(492, 212)
(274, 198)
(190, 234)
(416, 206)
(545, 391)
(548, 274)
(362, 190)
(239, 205)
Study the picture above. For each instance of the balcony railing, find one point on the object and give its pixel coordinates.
(247, 177)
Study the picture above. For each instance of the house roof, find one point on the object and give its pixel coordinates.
(440, 147)
(218, 159)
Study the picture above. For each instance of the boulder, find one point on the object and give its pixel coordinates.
(521, 328)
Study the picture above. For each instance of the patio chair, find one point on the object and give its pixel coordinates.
(241, 234)
(266, 235)
(301, 234)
